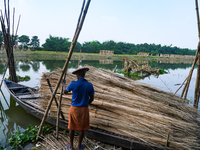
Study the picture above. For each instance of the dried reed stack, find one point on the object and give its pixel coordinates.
(132, 109)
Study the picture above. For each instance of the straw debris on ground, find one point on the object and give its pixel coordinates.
(50, 142)
(132, 109)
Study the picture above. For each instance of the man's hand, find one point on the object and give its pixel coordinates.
(64, 86)
(63, 81)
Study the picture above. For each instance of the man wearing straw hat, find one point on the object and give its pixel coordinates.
(82, 96)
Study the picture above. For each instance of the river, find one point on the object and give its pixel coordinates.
(13, 117)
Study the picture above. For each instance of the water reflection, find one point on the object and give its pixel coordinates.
(106, 61)
(12, 118)
(51, 65)
(35, 65)
(25, 66)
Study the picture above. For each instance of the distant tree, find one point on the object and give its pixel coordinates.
(95, 46)
(35, 42)
(66, 45)
(56, 44)
(24, 40)
(77, 47)
(86, 47)
(108, 45)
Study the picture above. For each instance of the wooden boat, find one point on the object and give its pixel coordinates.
(27, 97)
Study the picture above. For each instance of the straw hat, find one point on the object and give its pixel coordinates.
(83, 69)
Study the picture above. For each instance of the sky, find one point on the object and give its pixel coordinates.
(165, 22)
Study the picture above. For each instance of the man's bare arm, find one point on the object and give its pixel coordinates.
(91, 99)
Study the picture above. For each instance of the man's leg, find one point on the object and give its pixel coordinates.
(81, 135)
(71, 135)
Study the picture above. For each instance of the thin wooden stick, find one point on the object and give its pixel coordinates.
(49, 84)
(180, 86)
(65, 66)
(59, 107)
(115, 68)
(167, 142)
(13, 25)
(79, 58)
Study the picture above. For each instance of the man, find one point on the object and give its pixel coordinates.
(82, 96)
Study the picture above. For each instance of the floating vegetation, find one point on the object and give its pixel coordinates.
(19, 78)
(138, 74)
(18, 139)
(162, 71)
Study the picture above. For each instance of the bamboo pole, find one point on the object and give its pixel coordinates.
(7, 41)
(79, 59)
(59, 107)
(1, 19)
(115, 68)
(198, 22)
(49, 84)
(186, 87)
(60, 100)
(180, 86)
(65, 65)
(196, 95)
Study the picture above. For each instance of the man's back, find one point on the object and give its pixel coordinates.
(81, 90)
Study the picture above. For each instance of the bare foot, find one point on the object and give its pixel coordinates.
(81, 147)
(69, 147)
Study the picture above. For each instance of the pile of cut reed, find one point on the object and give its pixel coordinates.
(132, 109)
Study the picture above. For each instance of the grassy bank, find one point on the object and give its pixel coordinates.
(47, 55)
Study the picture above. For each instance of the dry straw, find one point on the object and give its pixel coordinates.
(132, 109)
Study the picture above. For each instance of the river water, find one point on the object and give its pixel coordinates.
(13, 117)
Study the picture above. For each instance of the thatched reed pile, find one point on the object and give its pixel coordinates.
(132, 109)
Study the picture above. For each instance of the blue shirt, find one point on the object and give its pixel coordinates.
(81, 90)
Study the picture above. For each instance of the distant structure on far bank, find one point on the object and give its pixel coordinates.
(106, 52)
(16, 48)
(166, 55)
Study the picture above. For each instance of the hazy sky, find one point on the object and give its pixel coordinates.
(162, 22)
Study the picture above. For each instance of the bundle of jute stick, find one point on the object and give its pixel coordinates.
(132, 109)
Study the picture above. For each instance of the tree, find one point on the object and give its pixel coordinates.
(77, 47)
(35, 42)
(24, 40)
(56, 44)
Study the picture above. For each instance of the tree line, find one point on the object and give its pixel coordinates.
(60, 44)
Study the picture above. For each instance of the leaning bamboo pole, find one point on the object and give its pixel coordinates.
(186, 87)
(196, 95)
(65, 65)
(61, 92)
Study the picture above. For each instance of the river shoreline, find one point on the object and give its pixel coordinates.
(44, 55)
